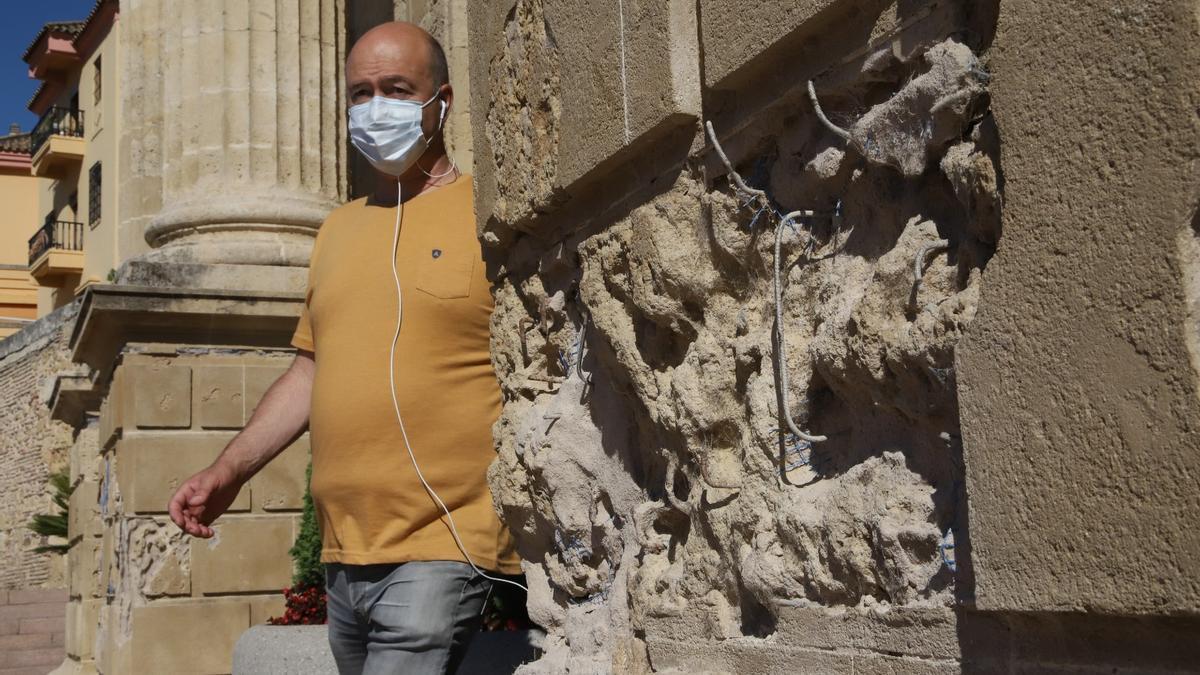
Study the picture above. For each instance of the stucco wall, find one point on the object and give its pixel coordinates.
(107, 244)
(19, 194)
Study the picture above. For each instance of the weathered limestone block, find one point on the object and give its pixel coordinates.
(80, 637)
(218, 398)
(84, 515)
(162, 395)
(259, 379)
(263, 608)
(156, 644)
(735, 32)
(1081, 397)
(561, 86)
(84, 562)
(156, 560)
(151, 466)
(280, 485)
(245, 554)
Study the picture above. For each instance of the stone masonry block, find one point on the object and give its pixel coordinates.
(159, 557)
(82, 620)
(114, 415)
(84, 564)
(165, 636)
(246, 554)
(115, 656)
(258, 380)
(265, 607)
(109, 573)
(925, 633)
(561, 86)
(280, 484)
(83, 518)
(219, 397)
(150, 467)
(72, 642)
(33, 596)
(736, 32)
(162, 395)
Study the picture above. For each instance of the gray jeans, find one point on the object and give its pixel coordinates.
(415, 617)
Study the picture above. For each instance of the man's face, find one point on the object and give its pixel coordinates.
(395, 63)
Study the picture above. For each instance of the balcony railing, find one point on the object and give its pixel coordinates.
(56, 122)
(63, 235)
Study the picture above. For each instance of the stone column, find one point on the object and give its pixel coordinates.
(238, 132)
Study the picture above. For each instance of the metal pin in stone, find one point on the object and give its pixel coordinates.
(437, 253)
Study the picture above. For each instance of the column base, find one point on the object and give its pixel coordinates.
(276, 228)
(163, 269)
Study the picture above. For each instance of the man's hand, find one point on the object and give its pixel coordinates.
(202, 498)
(280, 417)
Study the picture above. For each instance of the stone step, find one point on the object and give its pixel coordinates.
(30, 670)
(33, 611)
(54, 624)
(34, 596)
(27, 641)
(49, 656)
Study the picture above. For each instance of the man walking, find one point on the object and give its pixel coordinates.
(394, 381)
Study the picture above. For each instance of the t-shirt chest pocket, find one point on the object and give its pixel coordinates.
(445, 272)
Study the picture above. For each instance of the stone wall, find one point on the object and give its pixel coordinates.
(138, 584)
(669, 516)
(32, 444)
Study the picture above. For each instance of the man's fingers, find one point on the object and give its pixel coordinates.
(178, 503)
(175, 509)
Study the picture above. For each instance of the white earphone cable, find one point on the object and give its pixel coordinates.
(452, 169)
(396, 402)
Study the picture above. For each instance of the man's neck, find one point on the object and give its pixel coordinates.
(432, 171)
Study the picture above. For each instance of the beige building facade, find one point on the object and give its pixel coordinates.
(982, 304)
(19, 192)
(74, 147)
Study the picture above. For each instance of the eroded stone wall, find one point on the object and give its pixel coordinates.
(31, 446)
(139, 585)
(669, 518)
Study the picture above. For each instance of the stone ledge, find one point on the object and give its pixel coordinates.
(111, 316)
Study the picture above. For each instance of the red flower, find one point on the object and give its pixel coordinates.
(303, 606)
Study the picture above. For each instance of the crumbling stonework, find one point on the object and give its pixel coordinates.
(669, 519)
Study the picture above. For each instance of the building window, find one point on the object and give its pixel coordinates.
(97, 82)
(94, 186)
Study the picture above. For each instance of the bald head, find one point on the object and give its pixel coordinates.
(400, 56)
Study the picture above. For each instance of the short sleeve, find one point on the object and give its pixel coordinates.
(303, 337)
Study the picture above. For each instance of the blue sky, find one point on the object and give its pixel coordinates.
(20, 23)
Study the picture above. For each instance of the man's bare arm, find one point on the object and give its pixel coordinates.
(280, 417)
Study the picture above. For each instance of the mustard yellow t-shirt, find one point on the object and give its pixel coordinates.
(370, 503)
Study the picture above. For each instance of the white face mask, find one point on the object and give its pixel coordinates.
(388, 133)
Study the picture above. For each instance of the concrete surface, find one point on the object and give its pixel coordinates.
(288, 650)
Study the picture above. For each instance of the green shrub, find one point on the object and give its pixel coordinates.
(55, 524)
(306, 552)
(304, 600)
